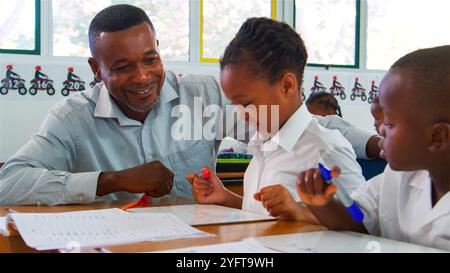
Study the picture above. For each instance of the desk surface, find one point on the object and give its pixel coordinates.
(224, 232)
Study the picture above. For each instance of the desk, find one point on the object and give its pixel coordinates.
(225, 232)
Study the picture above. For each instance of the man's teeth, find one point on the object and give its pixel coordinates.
(143, 91)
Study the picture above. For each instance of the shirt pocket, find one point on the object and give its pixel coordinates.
(196, 156)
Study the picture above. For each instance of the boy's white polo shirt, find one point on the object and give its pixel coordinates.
(398, 205)
(299, 145)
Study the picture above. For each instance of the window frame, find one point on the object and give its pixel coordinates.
(37, 35)
(357, 59)
(203, 59)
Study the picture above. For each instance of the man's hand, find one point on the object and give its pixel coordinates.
(152, 178)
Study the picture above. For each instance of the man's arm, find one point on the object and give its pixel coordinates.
(42, 172)
(38, 172)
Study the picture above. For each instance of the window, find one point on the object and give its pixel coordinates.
(71, 21)
(221, 20)
(396, 28)
(20, 31)
(330, 29)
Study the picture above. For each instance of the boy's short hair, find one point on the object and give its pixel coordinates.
(116, 18)
(268, 48)
(325, 100)
(429, 71)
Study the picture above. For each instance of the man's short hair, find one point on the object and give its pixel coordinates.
(116, 18)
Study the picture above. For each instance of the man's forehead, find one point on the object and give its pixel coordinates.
(135, 31)
(119, 43)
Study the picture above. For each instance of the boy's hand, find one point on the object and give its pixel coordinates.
(209, 191)
(313, 190)
(279, 202)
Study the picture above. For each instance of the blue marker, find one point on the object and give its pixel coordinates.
(345, 199)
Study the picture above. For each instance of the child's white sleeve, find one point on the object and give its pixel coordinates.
(367, 196)
(357, 137)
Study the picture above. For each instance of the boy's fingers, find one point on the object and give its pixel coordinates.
(309, 182)
(269, 204)
(318, 182)
(190, 177)
(199, 180)
(268, 195)
(337, 171)
(257, 196)
(201, 186)
(301, 183)
(330, 191)
(201, 192)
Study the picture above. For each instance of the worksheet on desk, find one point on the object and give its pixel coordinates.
(45, 231)
(196, 215)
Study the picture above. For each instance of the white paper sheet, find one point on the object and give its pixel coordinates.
(3, 226)
(98, 228)
(195, 215)
(337, 242)
(249, 245)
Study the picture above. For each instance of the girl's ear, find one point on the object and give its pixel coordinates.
(289, 84)
(440, 137)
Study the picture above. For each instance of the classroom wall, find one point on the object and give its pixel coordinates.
(21, 115)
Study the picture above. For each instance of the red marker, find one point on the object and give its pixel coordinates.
(206, 173)
(144, 201)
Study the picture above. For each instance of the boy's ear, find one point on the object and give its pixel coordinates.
(440, 137)
(289, 84)
(95, 69)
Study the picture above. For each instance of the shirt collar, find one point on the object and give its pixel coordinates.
(421, 181)
(291, 131)
(107, 108)
(417, 179)
(170, 87)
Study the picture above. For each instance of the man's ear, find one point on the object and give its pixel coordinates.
(440, 137)
(95, 68)
(289, 84)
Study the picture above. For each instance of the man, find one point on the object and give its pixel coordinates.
(115, 140)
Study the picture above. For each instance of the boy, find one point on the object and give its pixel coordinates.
(410, 201)
(263, 66)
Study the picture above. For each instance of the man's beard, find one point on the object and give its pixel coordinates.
(142, 108)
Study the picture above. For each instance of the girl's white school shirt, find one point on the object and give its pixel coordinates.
(299, 145)
(398, 205)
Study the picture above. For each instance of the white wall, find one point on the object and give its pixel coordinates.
(20, 116)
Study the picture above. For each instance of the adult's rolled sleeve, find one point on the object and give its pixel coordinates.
(81, 187)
